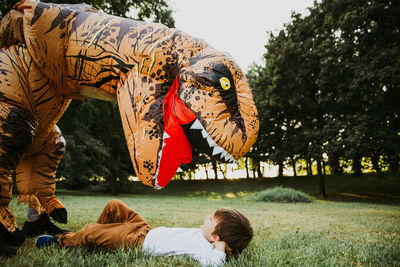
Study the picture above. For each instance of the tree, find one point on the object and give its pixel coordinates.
(329, 86)
(86, 155)
(367, 42)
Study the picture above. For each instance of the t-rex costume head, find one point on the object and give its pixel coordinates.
(209, 107)
(209, 111)
(174, 92)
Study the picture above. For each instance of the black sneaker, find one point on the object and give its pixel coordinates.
(44, 241)
(41, 226)
(14, 239)
(60, 215)
(6, 250)
(10, 240)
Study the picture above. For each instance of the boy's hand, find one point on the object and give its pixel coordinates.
(222, 246)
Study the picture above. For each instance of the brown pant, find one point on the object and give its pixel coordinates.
(117, 226)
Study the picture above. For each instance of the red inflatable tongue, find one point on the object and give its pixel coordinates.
(176, 148)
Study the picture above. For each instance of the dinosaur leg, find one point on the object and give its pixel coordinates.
(17, 128)
(36, 184)
(36, 178)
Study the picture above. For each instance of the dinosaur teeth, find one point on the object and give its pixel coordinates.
(224, 155)
(165, 136)
(204, 133)
(197, 125)
(217, 150)
(156, 186)
(227, 157)
(211, 142)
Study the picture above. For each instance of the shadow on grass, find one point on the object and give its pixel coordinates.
(345, 188)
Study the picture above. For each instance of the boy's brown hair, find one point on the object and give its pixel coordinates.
(233, 228)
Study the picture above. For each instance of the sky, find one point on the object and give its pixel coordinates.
(238, 27)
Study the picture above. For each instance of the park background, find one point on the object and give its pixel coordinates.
(327, 90)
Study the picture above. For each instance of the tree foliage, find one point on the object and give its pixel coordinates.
(329, 86)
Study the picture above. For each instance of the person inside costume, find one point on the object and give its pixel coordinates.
(226, 232)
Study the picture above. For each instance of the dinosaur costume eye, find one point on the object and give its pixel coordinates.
(225, 83)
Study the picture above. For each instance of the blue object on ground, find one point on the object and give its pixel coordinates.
(46, 241)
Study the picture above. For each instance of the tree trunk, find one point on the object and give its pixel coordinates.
(259, 173)
(280, 169)
(113, 182)
(357, 165)
(107, 132)
(322, 192)
(214, 164)
(336, 169)
(309, 167)
(319, 167)
(375, 162)
(246, 162)
(223, 173)
(393, 164)
(294, 167)
(205, 167)
(113, 186)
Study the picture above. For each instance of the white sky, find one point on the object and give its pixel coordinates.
(238, 27)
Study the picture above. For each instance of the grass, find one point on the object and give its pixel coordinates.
(280, 194)
(320, 233)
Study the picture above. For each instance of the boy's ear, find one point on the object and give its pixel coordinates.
(215, 237)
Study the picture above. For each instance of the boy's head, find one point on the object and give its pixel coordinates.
(230, 226)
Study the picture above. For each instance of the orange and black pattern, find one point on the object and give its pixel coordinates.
(54, 53)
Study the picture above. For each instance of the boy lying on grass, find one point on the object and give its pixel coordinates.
(227, 232)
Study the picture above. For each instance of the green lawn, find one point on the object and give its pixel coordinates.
(321, 233)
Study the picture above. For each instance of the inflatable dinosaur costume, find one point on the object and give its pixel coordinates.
(174, 93)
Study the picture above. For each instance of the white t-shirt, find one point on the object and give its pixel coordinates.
(183, 241)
